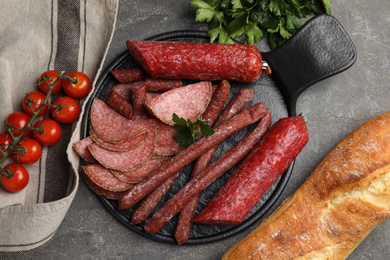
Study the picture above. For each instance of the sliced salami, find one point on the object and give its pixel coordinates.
(103, 178)
(112, 195)
(81, 148)
(140, 173)
(120, 147)
(127, 160)
(188, 102)
(110, 125)
(119, 104)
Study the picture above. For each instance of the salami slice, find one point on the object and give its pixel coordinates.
(128, 75)
(127, 160)
(188, 102)
(110, 125)
(197, 61)
(122, 146)
(102, 177)
(81, 148)
(140, 173)
(112, 195)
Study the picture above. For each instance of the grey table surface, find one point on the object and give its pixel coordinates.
(333, 108)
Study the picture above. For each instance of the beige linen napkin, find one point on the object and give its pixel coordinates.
(36, 36)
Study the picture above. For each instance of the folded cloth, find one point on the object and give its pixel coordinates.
(37, 36)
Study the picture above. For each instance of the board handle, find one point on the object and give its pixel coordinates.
(320, 49)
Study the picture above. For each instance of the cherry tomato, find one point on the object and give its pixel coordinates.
(5, 141)
(78, 89)
(17, 121)
(50, 134)
(50, 76)
(35, 99)
(28, 151)
(18, 181)
(66, 109)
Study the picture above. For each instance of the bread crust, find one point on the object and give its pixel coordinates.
(345, 197)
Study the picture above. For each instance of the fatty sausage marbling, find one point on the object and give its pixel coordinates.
(197, 61)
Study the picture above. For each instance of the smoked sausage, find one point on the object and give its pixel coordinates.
(197, 61)
(128, 75)
(256, 174)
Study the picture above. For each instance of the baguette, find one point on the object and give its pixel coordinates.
(346, 196)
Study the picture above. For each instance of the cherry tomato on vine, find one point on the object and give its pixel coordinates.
(65, 110)
(28, 151)
(18, 181)
(5, 141)
(35, 99)
(50, 76)
(17, 121)
(78, 89)
(50, 131)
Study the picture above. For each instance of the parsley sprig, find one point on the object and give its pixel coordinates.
(187, 131)
(248, 21)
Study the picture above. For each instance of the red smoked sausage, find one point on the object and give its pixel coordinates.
(240, 121)
(256, 174)
(197, 61)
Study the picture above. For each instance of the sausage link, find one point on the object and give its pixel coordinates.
(184, 222)
(147, 205)
(197, 61)
(150, 202)
(240, 121)
(207, 176)
(256, 174)
(128, 75)
(217, 102)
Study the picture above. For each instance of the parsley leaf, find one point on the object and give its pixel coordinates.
(187, 131)
(250, 20)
